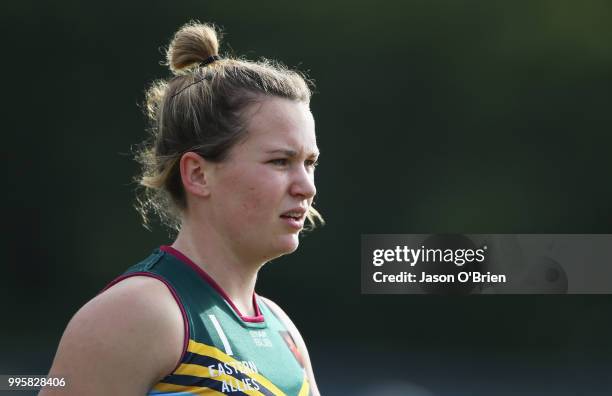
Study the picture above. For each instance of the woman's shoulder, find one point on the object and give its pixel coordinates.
(123, 340)
(139, 298)
(285, 320)
(297, 338)
(136, 314)
(276, 310)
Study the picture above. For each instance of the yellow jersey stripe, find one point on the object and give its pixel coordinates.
(305, 390)
(203, 372)
(195, 390)
(210, 351)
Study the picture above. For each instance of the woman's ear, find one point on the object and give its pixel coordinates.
(194, 174)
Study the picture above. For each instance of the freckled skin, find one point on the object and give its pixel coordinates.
(248, 193)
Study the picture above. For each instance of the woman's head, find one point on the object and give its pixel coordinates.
(210, 109)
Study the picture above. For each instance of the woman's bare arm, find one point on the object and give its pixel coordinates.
(120, 343)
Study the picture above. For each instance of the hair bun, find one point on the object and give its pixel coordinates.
(192, 44)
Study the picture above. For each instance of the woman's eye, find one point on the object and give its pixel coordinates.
(279, 161)
(311, 163)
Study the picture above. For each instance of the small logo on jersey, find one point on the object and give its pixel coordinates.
(292, 347)
(260, 338)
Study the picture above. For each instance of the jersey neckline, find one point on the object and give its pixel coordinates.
(258, 318)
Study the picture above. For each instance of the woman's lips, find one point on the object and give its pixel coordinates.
(293, 222)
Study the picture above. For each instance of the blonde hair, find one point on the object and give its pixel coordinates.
(201, 109)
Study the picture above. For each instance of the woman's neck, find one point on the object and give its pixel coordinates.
(213, 254)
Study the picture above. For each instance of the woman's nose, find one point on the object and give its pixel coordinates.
(304, 184)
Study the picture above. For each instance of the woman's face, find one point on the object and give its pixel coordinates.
(261, 193)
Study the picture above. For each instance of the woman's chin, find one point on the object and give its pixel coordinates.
(287, 244)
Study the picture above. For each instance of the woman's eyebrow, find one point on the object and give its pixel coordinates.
(290, 153)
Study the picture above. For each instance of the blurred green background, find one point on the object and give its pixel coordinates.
(432, 116)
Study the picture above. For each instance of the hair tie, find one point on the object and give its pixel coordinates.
(209, 60)
(205, 62)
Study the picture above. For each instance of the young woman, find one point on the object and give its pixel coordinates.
(230, 164)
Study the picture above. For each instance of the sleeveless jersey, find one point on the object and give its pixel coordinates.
(224, 352)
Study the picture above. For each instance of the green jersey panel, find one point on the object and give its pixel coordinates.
(225, 353)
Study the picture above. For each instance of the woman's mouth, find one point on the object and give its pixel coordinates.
(294, 218)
